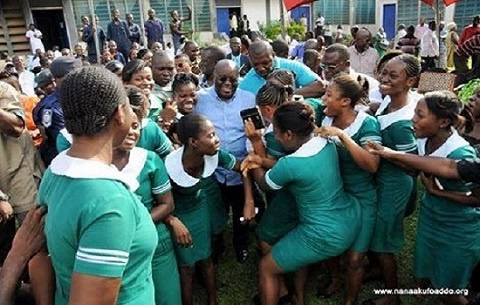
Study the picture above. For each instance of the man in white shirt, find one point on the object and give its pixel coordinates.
(401, 32)
(25, 77)
(421, 28)
(363, 59)
(336, 61)
(429, 47)
(319, 23)
(35, 38)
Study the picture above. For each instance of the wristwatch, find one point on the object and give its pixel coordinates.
(4, 197)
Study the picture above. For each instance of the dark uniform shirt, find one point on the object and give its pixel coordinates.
(49, 115)
(469, 170)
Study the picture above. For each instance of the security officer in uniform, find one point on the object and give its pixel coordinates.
(48, 114)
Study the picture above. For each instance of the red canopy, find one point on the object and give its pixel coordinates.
(432, 2)
(291, 4)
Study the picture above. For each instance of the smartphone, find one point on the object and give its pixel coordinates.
(254, 115)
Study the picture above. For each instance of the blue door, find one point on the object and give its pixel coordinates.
(389, 20)
(223, 21)
(298, 12)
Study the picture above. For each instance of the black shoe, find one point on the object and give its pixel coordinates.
(242, 255)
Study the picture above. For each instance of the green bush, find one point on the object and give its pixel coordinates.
(296, 28)
(273, 28)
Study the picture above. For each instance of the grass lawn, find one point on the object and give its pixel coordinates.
(237, 282)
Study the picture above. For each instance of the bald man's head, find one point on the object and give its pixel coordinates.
(163, 67)
(235, 44)
(225, 79)
(225, 65)
(363, 39)
(261, 57)
(260, 48)
(210, 56)
(311, 44)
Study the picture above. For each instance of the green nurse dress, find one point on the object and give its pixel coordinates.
(448, 233)
(281, 215)
(151, 138)
(96, 226)
(394, 185)
(191, 204)
(317, 105)
(152, 177)
(356, 181)
(216, 207)
(329, 218)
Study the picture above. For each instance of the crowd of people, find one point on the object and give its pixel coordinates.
(132, 165)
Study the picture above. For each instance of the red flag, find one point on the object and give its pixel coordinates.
(291, 4)
(429, 2)
(432, 2)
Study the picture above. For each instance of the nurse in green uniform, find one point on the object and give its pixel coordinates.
(152, 137)
(328, 217)
(189, 168)
(394, 184)
(281, 215)
(351, 130)
(100, 237)
(139, 74)
(154, 192)
(284, 77)
(448, 234)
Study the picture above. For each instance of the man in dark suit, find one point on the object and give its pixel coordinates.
(242, 61)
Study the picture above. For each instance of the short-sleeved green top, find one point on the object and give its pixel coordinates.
(457, 148)
(151, 174)
(187, 190)
(273, 147)
(96, 226)
(364, 128)
(312, 175)
(319, 107)
(397, 132)
(151, 138)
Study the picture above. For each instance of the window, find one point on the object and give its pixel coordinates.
(103, 8)
(408, 12)
(364, 12)
(465, 10)
(201, 13)
(334, 11)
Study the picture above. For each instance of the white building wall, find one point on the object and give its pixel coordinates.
(256, 11)
(275, 9)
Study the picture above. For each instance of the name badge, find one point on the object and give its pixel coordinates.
(47, 118)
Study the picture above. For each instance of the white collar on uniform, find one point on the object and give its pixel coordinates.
(67, 135)
(310, 148)
(404, 113)
(145, 122)
(154, 101)
(136, 162)
(453, 142)
(173, 163)
(353, 128)
(64, 165)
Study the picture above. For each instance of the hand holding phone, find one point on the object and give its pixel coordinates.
(254, 115)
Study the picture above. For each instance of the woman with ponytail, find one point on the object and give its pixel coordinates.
(328, 217)
(448, 234)
(351, 130)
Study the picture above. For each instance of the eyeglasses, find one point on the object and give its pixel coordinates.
(232, 80)
(328, 67)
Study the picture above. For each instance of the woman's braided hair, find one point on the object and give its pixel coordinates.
(90, 97)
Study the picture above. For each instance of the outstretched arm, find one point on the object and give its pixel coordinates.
(189, 17)
(440, 167)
